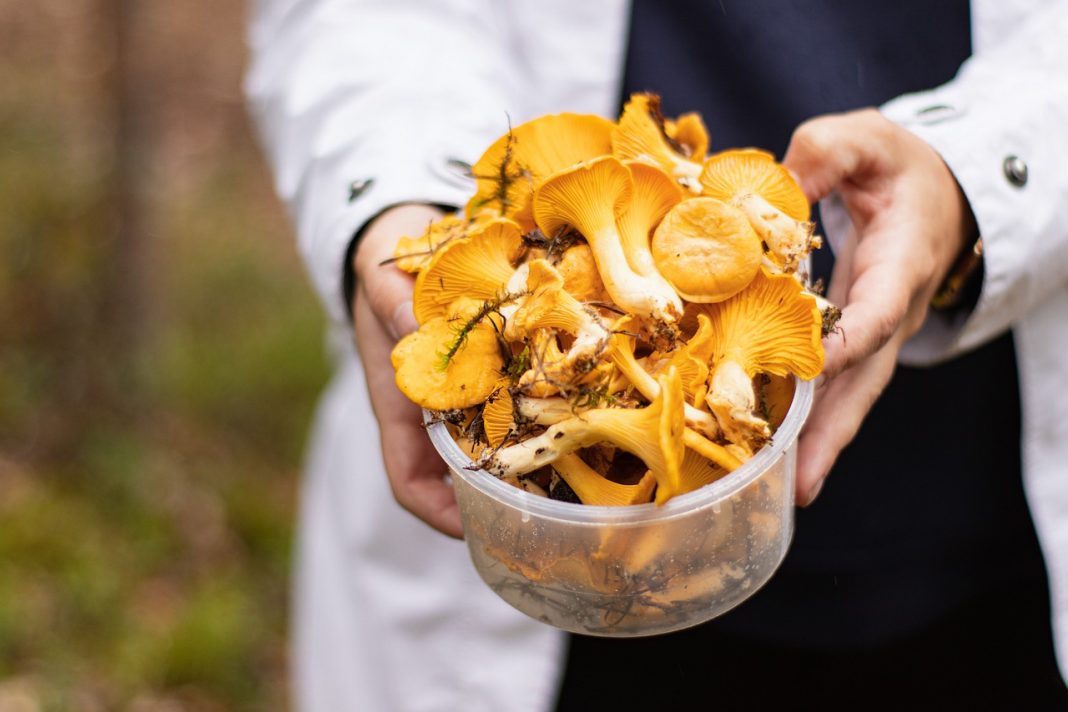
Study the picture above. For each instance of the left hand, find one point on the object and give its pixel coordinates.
(911, 221)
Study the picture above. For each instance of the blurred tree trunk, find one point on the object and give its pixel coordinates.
(126, 298)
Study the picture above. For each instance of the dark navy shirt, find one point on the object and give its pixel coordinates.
(925, 508)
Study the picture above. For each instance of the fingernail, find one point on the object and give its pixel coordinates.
(403, 321)
(818, 381)
(815, 490)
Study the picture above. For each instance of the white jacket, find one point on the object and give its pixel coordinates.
(390, 615)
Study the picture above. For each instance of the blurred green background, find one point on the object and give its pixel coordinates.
(160, 354)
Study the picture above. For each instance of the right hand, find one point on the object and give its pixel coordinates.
(382, 311)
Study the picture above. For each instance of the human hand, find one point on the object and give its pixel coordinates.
(382, 311)
(911, 221)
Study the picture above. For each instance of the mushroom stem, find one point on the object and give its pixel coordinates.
(733, 401)
(789, 240)
(621, 353)
(593, 488)
(711, 451)
(648, 295)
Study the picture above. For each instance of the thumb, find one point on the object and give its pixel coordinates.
(389, 294)
(388, 289)
(826, 150)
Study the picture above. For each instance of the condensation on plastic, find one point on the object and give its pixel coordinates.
(639, 570)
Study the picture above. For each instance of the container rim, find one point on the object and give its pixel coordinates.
(593, 515)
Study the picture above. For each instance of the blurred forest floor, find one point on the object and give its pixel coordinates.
(160, 354)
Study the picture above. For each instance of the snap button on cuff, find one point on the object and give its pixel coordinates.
(359, 187)
(453, 171)
(1015, 170)
(936, 114)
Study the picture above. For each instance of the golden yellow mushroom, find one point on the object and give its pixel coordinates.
(640, 136)
(414, 253)
(654, 194)
(621, 354)
(654, 433)
(512, 167)
(766, 192)
(593, 488)
(581, 278)
(706, 249)
(689, 132)
(772, 327)
(498, 417)
(477, 266)
(438, 369)
(588, 197)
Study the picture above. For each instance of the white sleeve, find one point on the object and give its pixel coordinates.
(385, 91)
(1008, 101)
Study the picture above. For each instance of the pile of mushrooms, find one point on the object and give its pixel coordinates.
(614, 318)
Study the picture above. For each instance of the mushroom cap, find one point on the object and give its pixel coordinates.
(749, 170)
(706, 249)
(587, 196)
(772, 326)
(654, 194)
(529, 153)
(414, 253)
(498, 417)
(467, 379)
(640, 135)
(477, 266)
(581, 278)
(689, 131)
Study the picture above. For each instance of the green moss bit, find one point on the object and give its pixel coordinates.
(490, 306)
(517, 365)
(504, 176)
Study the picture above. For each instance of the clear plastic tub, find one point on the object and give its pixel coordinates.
(639, 570)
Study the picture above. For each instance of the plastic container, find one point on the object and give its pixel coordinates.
(639, 570)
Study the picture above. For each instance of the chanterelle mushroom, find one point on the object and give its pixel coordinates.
(412, 254)
(593, 488)
(476, 266)
(588, 197)
(510, 169)
(626, 428)
(773, 327)
(640, 135)
(655, 193)
(764, 190)
(707, 249)
(449, 362)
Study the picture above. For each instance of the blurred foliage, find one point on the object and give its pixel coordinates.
(152, 410)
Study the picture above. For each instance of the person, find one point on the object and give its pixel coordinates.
(380, 99)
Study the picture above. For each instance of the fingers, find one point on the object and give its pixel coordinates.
(826, 150)
(416, 473)
(877, 302)
(387, 289)
(838, 413)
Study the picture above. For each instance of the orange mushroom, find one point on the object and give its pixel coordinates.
(689, 132)
(772, 327)
(626, 428)
(640, 136)
(654, 194)
(477, 266)
(510, 169)
(594, 488)
(706, 249)
(414, 253)
(589, 197)
(765, 191)
(439, 369)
